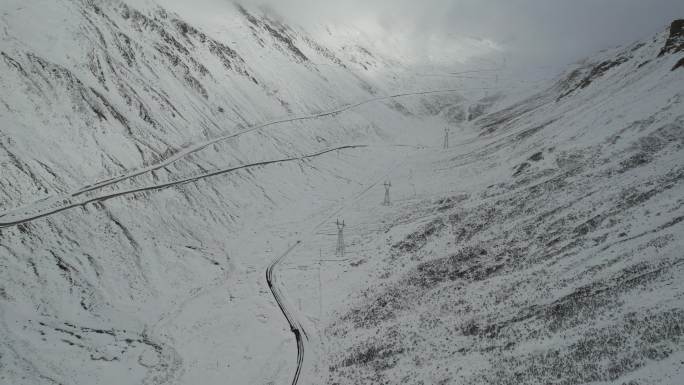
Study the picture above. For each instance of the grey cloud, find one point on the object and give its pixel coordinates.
(538, 32)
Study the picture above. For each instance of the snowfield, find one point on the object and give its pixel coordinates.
(155, 169)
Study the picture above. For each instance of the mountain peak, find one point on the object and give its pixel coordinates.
(675, 42)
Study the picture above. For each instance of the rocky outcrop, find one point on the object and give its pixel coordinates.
(675, 42)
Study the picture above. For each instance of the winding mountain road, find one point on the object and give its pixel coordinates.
(67, 204)
(295, 325)
(271, 278)
(194, 148)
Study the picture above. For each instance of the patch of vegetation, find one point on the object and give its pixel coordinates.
(418, 239)
(468, 264)
(601, 354)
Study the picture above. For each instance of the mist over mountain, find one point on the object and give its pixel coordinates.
(530, 32)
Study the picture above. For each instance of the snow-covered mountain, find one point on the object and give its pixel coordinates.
(546, 250)
(146, 137)
(154, 162)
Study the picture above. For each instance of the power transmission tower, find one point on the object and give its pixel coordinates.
(386, 202)
(340, 239)
(320, 285)
(413, 184)
(446, 138)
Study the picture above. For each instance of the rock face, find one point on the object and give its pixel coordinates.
(675, 42)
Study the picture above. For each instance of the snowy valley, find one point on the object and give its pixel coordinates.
(156, 167)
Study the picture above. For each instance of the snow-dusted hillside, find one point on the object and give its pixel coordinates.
(547, 250)
(150, 170)
(99, 88)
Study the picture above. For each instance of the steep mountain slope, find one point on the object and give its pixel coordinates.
(151, 168)
(547, 250)
(140, 86)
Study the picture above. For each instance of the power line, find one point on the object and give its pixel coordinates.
(340, 238)
(387, 185)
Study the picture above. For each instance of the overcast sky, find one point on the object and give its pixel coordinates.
(541, 33)
(554, 32)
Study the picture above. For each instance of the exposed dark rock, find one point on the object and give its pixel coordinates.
(675, 42)
(595, 72)
(679, 64)
(521, 168)
(537, 157)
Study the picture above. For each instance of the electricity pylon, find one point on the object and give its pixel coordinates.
(340, 239)
(386, 202)
(446, 138)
